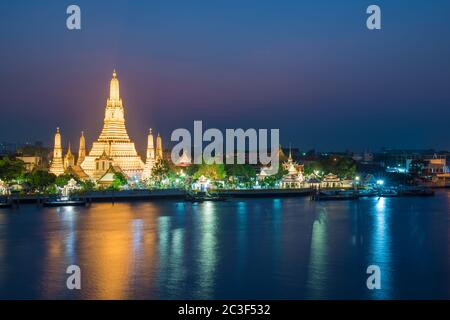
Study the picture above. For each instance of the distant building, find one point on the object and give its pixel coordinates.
(31, 162)
(399, 161)
(7, 148)
(436, 168)
(331, 181)
(436, 165)
(368, 157)
(294, 177)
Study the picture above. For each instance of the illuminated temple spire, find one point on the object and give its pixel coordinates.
(81, 150)
(114, 140)
(150, 146)
(69, 159)
(150, 161)
(114, 122)
(57, 166)
(114, 93)
(159, 149)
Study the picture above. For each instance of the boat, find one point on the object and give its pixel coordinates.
(5, 203)
(368, 193)
(335, 195)
(388, 193)
(204, 196)
(419, 191)
(64, 202)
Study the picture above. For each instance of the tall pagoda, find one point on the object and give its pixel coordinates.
(57, 166)
(114, 141)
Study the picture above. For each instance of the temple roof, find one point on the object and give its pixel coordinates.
(78, 172)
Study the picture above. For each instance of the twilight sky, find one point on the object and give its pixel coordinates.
(310, 68)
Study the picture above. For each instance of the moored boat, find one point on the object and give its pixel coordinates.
(64, 202)
(389, 193)
(5, 203)
(419, 191)
(204, 196)
(368, 193)
(335, 195)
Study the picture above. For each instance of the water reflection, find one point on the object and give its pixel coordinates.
(253, 248)
(380, 246)
(207, 251)
(68, 217)
(317, 272)
(241, 246)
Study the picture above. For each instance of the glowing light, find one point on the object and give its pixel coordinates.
(114, 141)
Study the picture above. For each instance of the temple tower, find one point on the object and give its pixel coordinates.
(150, 161)
(114, 138)
(69, 159)
(81, 150)
(159, 149)
(57, 166)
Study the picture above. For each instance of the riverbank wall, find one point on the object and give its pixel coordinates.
(173, 194)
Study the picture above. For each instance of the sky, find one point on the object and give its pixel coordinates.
(309, 68)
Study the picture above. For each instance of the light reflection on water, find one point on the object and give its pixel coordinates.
(317, 272)
(253, 248)
(380, 245)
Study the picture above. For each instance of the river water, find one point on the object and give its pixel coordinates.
(289, 248)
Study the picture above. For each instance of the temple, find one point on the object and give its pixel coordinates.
(113, 152)
(151, 159)
(57, 165)
(294, 177)
(114, 146)
(69, 159)
(81, 150)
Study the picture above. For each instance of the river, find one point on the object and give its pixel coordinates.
(288, 248)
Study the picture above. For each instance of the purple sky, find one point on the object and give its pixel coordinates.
(310, 68)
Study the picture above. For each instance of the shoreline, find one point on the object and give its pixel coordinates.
(168, 194)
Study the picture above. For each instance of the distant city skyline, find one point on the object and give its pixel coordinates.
(313, 70)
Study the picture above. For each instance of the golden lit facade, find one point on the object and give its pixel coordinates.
(57, 166)
(69, 159)
(81, 150)
(151, 160)
(294, 177)
(114, 141)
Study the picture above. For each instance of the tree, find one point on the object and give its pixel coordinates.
(63, 179)
(241, 173)
(119, 180)
(212, 171)
(11, 169)
(161, 172)
(87, 185)
(272, 180)
(40, 180)
(343, 167)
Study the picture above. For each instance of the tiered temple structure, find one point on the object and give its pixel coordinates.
(81, 150)
(69, 159)
(114, 144)
(294, 176)
(159, 149)
(151, 160)
(113, 152)
(57, 166)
